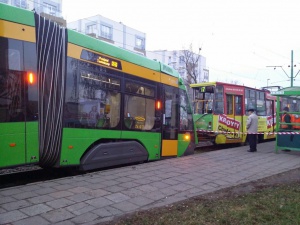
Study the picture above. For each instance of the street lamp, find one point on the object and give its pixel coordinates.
(268, 82)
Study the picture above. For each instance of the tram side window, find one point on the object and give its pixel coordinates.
(185, 112)
(250, 100)
(260, 103)
(219, 100)
(171, 120)
(238, 105)
(139, 106)
(11, 81)
(269, 107)
(229, 104)
(92, 100)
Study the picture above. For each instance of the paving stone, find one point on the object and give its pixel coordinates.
(133, 192)
(2, 210)
(143, 181)
(15, 205)
(59, 203)
(35, 209)
(80, 208)
(117, 197)
(61, 194)
(10, 192)
(57, 215)
(79, 197)
(171, 181)
(168, 192)
(155, 195)
(44, 191)
(7, 199)
(160, 185)
(47, 184)
(84, 218)
(35, 220)
(25, 195)
(181, 187)
(114, 189)
(125, 179)
(147, 188)
(128, 184)
(11, 216)
(40, 199)
(107, 211)
(141, 201)
(125, 206)
(63, 187)
(111, 182)
(66, 222)
(98, 193)
(99, 202)
(79, 190)
(30, 187)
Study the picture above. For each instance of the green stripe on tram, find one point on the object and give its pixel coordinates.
(14, 14)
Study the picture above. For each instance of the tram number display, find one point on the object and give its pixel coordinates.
(101, 59)
(139, 122)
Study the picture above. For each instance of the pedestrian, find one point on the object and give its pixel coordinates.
(286, 119)
(252, 128)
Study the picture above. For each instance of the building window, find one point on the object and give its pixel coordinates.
(140, 43)
(4, 1)
(181, 59)
(50, 9)
(91, 28)
(21, 4)
(106, 31)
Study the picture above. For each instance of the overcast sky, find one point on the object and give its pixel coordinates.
(239, 38)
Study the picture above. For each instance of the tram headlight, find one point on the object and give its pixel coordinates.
(187, 137)
(209, 126)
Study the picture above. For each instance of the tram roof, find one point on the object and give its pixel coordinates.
(289, 91)
(214, 83)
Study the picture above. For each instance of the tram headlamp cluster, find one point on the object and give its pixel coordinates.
(187, 136)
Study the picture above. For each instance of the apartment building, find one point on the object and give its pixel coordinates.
(176, 59)
(111, 31)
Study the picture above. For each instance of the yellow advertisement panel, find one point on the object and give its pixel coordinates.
(231, 129)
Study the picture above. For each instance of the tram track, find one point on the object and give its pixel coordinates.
(31, 174)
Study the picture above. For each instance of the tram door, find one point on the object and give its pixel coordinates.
(18, 131)
(234, 111)
(170, 121)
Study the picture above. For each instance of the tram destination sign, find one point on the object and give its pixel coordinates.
(101, 59)
(277, 92)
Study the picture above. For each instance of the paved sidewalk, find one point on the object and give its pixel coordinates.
(100, 196)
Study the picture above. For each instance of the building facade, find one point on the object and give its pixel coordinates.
(111, 31)
(51, 9)
(176, 59)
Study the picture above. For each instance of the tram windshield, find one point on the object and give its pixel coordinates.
(204, 99)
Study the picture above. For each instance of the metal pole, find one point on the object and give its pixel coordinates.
(292, 66)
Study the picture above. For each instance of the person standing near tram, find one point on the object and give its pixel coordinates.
(286, 119)
(252, 129)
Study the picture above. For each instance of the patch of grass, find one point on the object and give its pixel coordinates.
(272, 205)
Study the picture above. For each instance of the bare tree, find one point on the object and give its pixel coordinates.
(191, 60)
